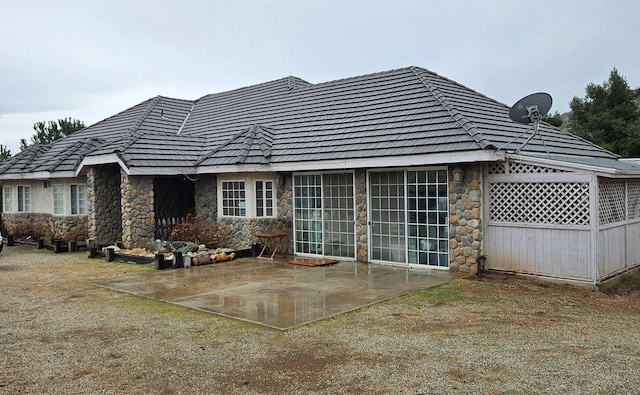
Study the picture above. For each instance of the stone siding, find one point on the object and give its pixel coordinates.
(41, 225)
(206, 197)
(138, 217)
(465, 219)
(239, 233)
(362, 236)
(103, 201)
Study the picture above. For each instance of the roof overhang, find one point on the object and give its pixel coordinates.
(39, 175)
(567, 163)
(101, 160)
(443, 158)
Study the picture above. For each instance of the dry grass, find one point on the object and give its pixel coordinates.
(499, 335)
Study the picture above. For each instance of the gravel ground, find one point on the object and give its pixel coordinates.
(501, 335)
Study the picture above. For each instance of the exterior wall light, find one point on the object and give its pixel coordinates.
(458, 175)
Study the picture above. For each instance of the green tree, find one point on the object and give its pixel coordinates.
(52, 131)
(555, 119)
(608, 116)
(4, 153)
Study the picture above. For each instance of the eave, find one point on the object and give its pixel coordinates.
(40, 175)
(568, 165)
(444, 158)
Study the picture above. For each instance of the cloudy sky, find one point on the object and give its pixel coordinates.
(91, 59)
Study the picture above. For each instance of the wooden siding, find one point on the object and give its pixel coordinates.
(556, 252)
(618, 248)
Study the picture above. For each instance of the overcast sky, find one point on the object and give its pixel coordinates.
(91, 59)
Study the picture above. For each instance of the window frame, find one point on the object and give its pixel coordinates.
(262, 202)
(7, 198)
(238, 208)
(24, 198)
(250, 209)
(58, 189)
(76, 207)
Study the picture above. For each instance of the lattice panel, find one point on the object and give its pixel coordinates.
(520, 168)
(523, 168)
(611, 202)
(558, 203)
(633, 199)
(497, 168)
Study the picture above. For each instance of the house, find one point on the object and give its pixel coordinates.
(402, 167)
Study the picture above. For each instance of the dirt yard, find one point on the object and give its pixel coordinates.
(497, 335)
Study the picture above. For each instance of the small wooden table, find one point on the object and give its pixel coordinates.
(271, 242)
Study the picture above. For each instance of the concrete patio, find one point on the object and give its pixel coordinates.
(278, 294)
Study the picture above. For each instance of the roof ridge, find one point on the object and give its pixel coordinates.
(465, 123)
(34, 150)
(291, 82)
(85, 149)
(254, 134)
(265, 141)
(152, 104)
(219, 147)
(62, 158)
(135, 134)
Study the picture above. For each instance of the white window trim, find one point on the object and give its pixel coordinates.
(7, 197)
(53, 197)
(264, 198)
(26, 203)
(249, 193)
(71, 199)
(221, 198)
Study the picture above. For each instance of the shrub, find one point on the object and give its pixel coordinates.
(198, 230)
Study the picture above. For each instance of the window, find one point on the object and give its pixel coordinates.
(78, 199)
(46, 184)
(264, 198)
(8, 203)
(253, 197)
(233, 199)
(58, 199)
(24, 198)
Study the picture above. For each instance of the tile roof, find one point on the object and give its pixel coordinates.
(408, 111)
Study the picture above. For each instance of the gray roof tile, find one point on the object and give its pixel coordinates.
(398, 112)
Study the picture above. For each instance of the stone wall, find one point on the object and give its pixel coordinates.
(239, 233)
(103, 204)
(362, 236)
(41, 225)
(465, 219)
(206, 197)
(138, 218)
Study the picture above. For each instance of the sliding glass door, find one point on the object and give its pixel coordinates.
(387, 216)
(409, 217)
(324, 215)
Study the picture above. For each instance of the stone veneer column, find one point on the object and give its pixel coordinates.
(138, 217)
(362, 237)
(465, 220)
(103, 204)
(92, 202)
(206, 197)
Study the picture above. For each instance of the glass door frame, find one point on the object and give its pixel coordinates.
(407, 235)
(321, 221)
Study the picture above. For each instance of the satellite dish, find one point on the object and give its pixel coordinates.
(530, 109)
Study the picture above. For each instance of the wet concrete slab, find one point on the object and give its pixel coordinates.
(278, 294)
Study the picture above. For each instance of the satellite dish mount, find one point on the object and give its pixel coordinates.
(530, 109)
